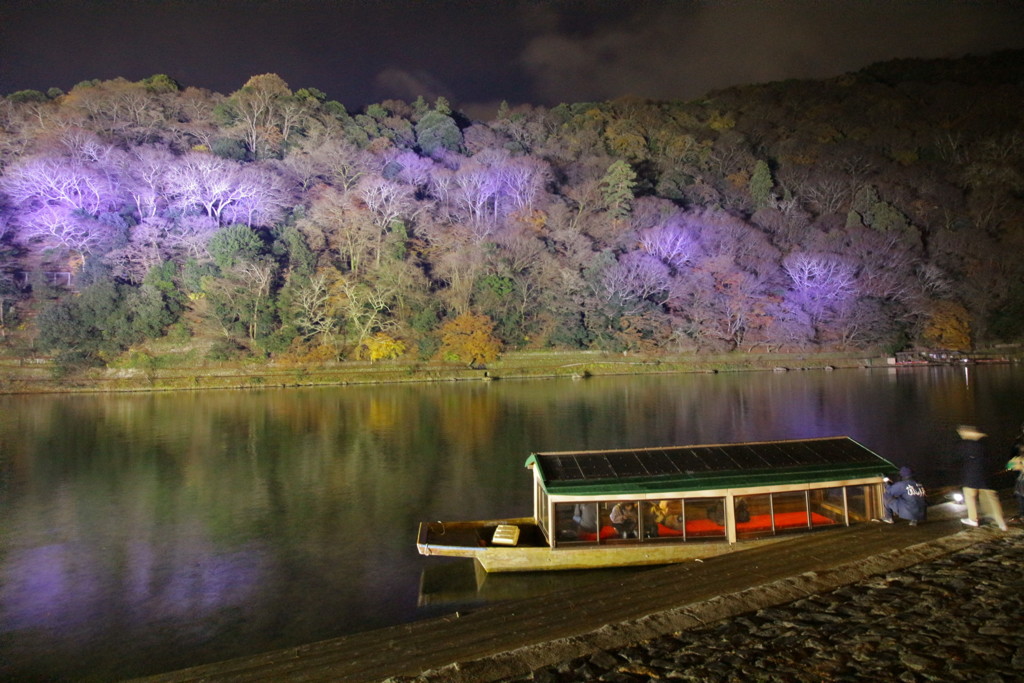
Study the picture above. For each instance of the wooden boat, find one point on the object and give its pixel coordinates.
(627, 507)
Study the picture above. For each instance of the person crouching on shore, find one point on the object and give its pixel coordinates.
(904, 499)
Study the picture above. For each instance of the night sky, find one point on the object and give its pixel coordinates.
(477, 53)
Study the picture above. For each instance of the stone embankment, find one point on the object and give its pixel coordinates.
(956, 618)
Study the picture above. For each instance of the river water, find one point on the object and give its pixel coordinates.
(148, 532)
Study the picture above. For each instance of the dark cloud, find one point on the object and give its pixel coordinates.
(683, 50)
(479, 52)
(404, 85)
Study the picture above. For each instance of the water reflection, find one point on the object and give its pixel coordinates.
(142, 533)
(454, 584)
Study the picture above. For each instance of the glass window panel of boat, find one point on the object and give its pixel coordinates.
(541, 514)
(789, 510)
(667, 517)
(753, 516)
(651, 518)
(576, 522)
(604, 524)
(606, 530)
(826, 506)
(705, 518)
(860, 502)
(624, 518)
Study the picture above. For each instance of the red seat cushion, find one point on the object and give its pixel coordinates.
(783, 520)
(606, 532)
(705, 527)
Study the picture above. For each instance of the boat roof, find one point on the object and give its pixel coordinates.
(706, 467)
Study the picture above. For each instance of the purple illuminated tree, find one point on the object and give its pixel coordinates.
(475, 191)
(202, 183)
(147, 170)
(226, 191)
(672, 244)
(57, 203)
(6, 227)
(55, 227)
(263, 197)
(635, 277)
(521, 181)
(442, 189)
(489, 188)
(59, 182)
(410, 168)
(821, 283)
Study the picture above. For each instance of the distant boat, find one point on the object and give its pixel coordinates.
(629, 507)
(943, 357)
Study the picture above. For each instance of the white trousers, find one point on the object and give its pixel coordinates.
(990, 506)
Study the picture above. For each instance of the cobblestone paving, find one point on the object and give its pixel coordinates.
(959, 618)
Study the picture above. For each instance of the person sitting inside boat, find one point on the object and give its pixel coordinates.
(650, 520)
(742, 511)
(716, 513)
(664, 516)
(904, 499)
(585, 516)
(623, 518)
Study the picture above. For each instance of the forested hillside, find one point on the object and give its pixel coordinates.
(883, 209)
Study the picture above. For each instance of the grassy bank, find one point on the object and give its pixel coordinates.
(143, 373)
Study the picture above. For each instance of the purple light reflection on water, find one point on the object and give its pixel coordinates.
(199, 586)
(67, 596)
(48, 587)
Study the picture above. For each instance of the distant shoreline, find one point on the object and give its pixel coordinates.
(40, 376)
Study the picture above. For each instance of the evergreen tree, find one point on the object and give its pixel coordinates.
(617, 189)
(436, 131)
(761, 184)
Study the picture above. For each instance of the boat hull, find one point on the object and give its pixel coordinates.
(468, 540)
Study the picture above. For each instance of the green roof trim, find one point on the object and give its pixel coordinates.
(709, 467)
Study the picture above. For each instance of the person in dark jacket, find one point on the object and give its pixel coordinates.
(1017, 463)
(977, 468)
(905, 499)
